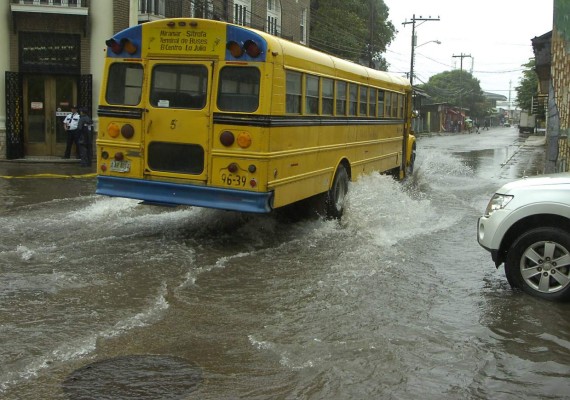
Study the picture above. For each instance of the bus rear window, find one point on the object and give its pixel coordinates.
(124, 84)
(179, 86)
(239, 89)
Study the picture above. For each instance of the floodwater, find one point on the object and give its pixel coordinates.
(106, 298)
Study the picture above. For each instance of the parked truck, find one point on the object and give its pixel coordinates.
(527, 122)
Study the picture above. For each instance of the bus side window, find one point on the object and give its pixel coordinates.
(395, 105)
(372, 102)
(363, 100)
(401, 106)
(293, 96)
(239, 89)
(388, 100)
(328, 96)
(353, 99)
(312, 95)
(380, 103)
(340, 98)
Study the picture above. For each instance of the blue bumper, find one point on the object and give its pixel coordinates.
(173, 194)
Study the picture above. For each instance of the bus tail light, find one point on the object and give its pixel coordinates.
(227, 138)
(113, 130)
(244, 140)
(123, 44)
(235, 49)
(129, 46)
(253, 183)
(252, 49)
(119, 156)
(233, 168)
(127, 131)
(114, 45)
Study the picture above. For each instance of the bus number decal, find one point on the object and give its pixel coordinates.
(234, 180)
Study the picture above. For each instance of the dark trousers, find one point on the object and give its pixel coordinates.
(85, 148)
(72, 138)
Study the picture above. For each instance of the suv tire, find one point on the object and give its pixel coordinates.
(538, 262)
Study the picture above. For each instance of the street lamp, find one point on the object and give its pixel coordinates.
(414, 56)
(413, 22)
(431, 41)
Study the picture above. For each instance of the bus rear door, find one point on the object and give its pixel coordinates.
(178, 120)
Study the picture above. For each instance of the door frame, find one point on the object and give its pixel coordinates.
(54, 142)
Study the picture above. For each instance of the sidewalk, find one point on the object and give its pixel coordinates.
(44, 167)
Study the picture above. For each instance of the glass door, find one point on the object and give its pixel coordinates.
(47, 99)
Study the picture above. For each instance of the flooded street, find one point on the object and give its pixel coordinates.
(106, 298)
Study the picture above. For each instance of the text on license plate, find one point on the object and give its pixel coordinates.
(233, 179)
(120, 166)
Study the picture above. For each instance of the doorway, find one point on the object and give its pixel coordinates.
(47, 100)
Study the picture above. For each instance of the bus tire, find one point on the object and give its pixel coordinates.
(336, 196)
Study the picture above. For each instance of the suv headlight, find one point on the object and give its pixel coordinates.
(497, 202)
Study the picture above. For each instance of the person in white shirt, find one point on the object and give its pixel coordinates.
(70, 125)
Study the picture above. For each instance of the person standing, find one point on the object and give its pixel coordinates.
(70, 125)
(84, 137)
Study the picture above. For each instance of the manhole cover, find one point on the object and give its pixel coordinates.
(134, 377)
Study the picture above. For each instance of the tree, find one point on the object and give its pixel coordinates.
(352, 29)
(458, 88)
(528, 88)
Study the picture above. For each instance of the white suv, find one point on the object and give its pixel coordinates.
(527, 226)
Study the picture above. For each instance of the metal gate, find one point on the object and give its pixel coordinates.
(14, 116)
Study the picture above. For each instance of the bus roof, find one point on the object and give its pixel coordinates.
(291, 55)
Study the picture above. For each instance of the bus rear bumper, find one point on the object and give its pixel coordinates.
(172, 194)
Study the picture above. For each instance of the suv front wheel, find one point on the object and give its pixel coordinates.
(538, 262)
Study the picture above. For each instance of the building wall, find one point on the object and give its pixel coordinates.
(107, 17)
(560, 80)
(101, 30)
(4, 66)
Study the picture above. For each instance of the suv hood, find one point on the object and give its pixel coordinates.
(541, 180)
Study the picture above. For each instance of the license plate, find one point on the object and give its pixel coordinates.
(233, 180)
(120, 166)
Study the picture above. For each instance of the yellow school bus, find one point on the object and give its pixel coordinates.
(206, 113)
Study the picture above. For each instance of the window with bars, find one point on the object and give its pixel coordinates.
(49, 53)
(303, 27)
(242, 12)
(202, 9)
(273, 17)
(272, 25)
(156, 7)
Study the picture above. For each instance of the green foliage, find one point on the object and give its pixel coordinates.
(458, 88)
(351, 30)
(528, 87)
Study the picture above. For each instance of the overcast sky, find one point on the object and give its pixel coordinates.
(496, 33)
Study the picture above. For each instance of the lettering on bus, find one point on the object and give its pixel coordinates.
(193, 41)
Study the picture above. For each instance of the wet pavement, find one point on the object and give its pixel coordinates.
(107, 298)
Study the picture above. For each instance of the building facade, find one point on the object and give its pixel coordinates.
(53, 53)
(552, 58)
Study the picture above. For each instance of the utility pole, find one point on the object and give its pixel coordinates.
(460, 81)
(371, 21)
(413, 22)
(462, 57)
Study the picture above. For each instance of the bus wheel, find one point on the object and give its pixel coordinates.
(336, 196)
